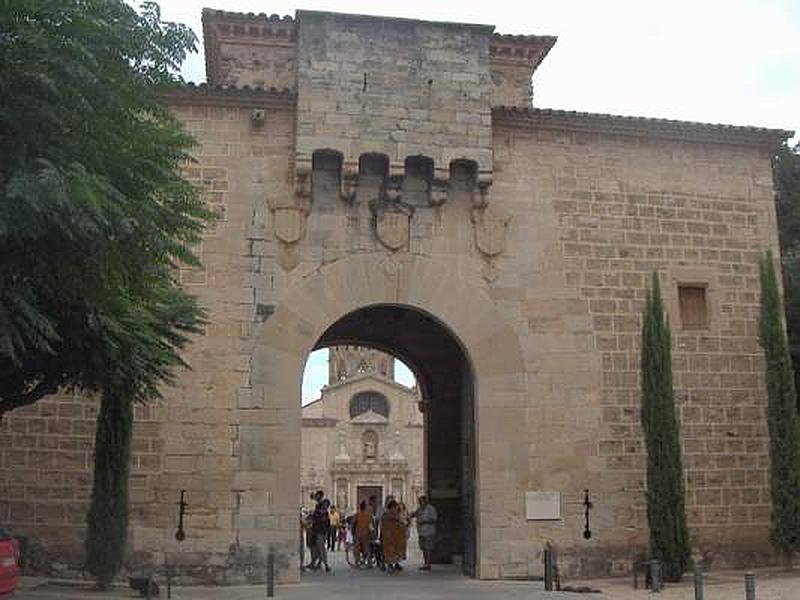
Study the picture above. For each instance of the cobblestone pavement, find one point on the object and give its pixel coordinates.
(443, 583)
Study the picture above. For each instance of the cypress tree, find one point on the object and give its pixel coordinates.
(107, 520)
(782, 418)
(786, 174)
(666, 513)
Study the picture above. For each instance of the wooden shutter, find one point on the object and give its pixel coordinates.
(694, 311)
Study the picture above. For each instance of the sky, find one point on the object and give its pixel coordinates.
(715, 61)
(316, 375)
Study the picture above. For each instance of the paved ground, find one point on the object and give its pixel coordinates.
(443, 583)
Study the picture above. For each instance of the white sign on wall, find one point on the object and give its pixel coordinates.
(542, 506)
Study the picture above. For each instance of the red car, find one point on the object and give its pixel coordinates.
(9, 563)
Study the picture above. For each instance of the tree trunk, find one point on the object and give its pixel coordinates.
(107, 520)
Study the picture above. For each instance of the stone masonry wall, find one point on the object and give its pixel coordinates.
(613, 209)
(427, 91)
(46, 462)
(591, 215)
(191, 440)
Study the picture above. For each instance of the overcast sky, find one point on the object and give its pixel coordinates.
(718, 61)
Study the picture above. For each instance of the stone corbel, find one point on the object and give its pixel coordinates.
(302, 185)
(349, 182)
(394, 187)
(438, 192)
(397, 172)
(480, 196)
(442, 174)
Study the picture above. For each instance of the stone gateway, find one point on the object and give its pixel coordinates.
(387, 183)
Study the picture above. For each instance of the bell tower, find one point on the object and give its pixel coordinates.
(349, 361)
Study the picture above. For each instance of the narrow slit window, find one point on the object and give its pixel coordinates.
(693, 306)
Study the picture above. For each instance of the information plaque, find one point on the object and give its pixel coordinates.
(542, 506)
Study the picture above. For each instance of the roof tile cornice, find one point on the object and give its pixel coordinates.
(521, 50)
(210, 13)
(243, 97)
(547, 118)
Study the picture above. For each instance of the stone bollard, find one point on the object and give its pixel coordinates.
(655, 576)
(271, 574)
(750, 586)
(698, 583)
(548, 574)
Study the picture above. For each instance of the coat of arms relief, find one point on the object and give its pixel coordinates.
(391, 214)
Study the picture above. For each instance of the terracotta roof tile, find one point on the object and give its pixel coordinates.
(644, 126)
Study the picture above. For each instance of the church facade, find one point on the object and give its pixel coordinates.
(390, 184)
(364, 435)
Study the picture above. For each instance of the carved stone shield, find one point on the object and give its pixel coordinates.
(392, 228)
(490, 230)
(289, 223)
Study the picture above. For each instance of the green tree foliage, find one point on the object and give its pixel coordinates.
(783, 418)
(786, 170)
(94, 214)
(108, 514)
(666, 512)
(95, 219)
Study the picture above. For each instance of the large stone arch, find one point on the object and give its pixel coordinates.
(449, 295)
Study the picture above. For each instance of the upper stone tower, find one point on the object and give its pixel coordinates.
(390, 114)
(262, 51)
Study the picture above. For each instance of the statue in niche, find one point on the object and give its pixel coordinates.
(341, 453)
(341, 494)
(370, 442)
(397, 453)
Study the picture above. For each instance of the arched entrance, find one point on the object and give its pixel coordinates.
(481, 368)
(444, 375)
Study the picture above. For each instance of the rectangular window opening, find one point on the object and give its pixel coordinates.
(693, 306)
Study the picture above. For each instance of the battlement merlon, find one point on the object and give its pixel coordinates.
(260, 51)
(250, 50)
(513, 60)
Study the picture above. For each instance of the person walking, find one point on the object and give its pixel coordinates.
(405, 519)
(362, 528)
(320, 528)
(302, 547)
(392, 537)
(311, 535)
(333, 515)
(341, 534)
(426, 530)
